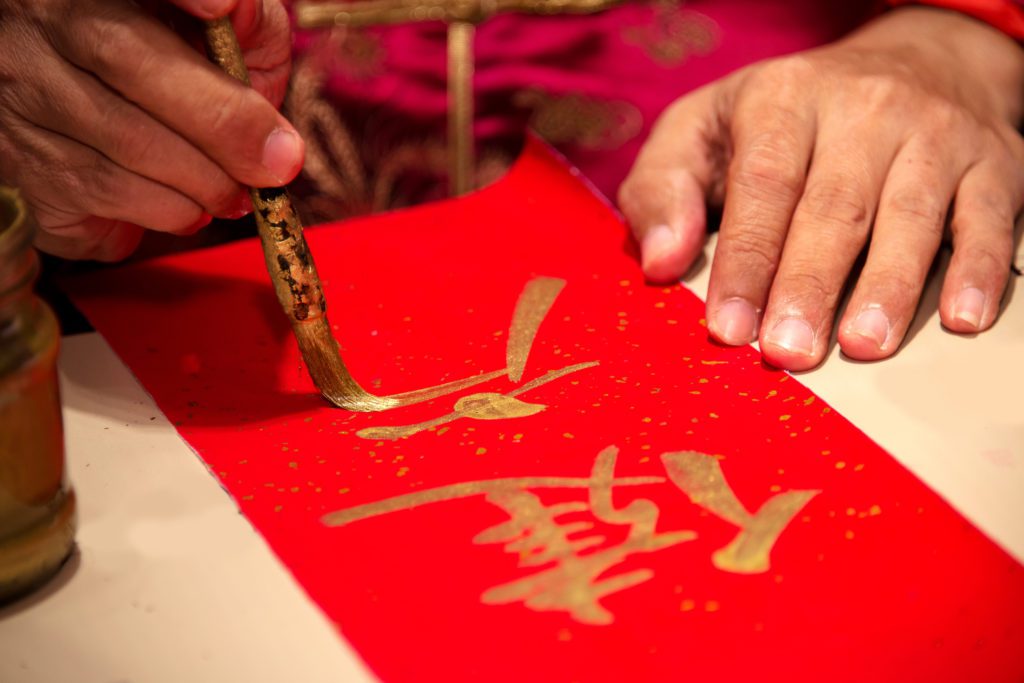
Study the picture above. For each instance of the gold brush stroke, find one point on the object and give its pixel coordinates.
(467, 489)
(749, 552)
(700, 477)
(348, 393)
(573, 584)
(477, 406)
(551, 376)
(430, 393)
(533, 306)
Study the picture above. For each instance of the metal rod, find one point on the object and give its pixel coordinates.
(460, 107)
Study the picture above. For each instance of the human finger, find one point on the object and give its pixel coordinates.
(773, 129)
(829, 228)
(265, 34)
(99, 239)
(907, 233)
(665, 193)
(56, 171)
(144, 61)
(987, 199)
(129, 137)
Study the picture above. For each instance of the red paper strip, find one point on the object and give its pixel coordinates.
(626, 502)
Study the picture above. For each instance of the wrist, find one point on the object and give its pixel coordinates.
(967, 47)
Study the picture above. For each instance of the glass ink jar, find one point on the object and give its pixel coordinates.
(37, 507)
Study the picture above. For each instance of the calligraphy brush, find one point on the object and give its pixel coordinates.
(297, 284)
(291, 266)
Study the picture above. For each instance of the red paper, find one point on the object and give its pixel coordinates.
(874, 578)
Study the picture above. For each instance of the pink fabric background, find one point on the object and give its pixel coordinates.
(596, 56)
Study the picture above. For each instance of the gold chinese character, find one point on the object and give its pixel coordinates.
(573, 584)
(572, 574)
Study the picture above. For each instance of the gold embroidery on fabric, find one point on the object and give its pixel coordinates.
(360, 55)
(575, 578)
(346, 185)
(580, 120)
(674, 34)
(332, 158)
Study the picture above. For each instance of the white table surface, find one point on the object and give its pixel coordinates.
(169, 584)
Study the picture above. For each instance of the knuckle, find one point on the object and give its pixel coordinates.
(768, 170)
(219, 196)
(988, 208)
(878, 91)
(135, 146)
(941, 128)
(919, 207)
(989, 260)
(795, 68)
(68, 179)
(941, 116)
(99, 176)
(896, 282)
(235, 112)
(990, 256)
(807, 282)
(837, 201)
(754, 249)
(784, 78)
(105, 43)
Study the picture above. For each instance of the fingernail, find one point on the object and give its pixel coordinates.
(873, 324)
(659, 241)
(204, 220)
(794, 335)
(243, 207)
(282, 154)
(735, 322)
(970, 306)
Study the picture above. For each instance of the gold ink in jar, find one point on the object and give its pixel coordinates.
(37, 507)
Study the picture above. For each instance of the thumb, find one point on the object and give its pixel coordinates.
(677, 170)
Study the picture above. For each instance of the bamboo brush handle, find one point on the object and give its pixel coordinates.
(290, 262)
(288, 259)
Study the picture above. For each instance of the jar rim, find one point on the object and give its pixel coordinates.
(15, 228)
